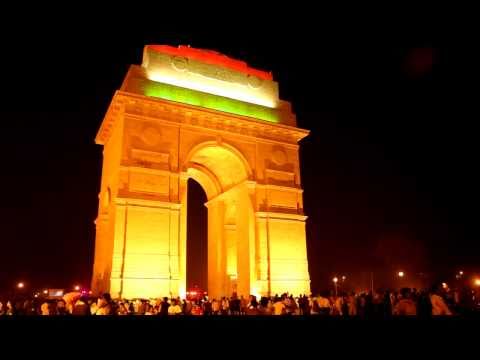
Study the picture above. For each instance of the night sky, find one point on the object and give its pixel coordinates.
(389, 169)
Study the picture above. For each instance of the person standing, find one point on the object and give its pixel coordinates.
(225, 306)
(279, 307)
(215, 307)
(175, 308)
(405, 306)
(439, 307)
(424, 305)
(164, 305)
(352, 304)
(81, 307)
(104, 306)
(243, 305)
(44, 308)
(324, 304)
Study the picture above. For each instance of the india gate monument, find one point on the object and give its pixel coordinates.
(196, 114)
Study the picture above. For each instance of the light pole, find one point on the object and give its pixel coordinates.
(335, 281)
(19, 289)
(401, 275)
(459, 275)
(343, 282)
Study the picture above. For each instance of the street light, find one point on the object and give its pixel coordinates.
(344, 278)
(20, 285)
(444, 285)
(77, 287)
(45, 291)
(476, 282)
(401, 274)
(335, 281)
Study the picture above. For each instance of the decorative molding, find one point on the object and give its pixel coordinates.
(280, 216)
(129, 201)
(139, 105)
(150, 157)
(281, 177)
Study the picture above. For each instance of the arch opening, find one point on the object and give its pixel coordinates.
(197, 250)
(221, 173)
(217, 168)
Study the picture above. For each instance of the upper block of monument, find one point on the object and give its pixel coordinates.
(210, 80)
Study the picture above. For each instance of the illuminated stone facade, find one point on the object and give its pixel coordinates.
(154, 141)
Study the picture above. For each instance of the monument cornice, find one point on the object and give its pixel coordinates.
(139, 105)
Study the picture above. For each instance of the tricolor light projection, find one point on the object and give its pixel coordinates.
(209, 101)
(211, 80)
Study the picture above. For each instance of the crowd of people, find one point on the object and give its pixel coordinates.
(384, 304)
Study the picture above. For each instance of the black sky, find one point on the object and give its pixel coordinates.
(389, 169)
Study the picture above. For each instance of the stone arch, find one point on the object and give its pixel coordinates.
(218, 145)
(156, 137)
(222, 171)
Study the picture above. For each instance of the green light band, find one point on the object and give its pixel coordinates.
(209, 101)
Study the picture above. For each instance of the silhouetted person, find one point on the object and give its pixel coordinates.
(369, 305)
(424, 306)
(439, 307)
(81, 307)
(406, 306)
(345, 312)
(164, 307)
(387, 304)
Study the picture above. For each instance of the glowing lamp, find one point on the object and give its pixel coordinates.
(401, 274)
(335, 279)
(444, 285)
(20, 285)
(77, 287)
(477, 282)
(45, 292)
